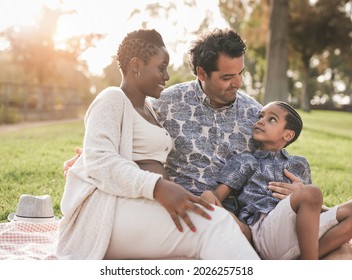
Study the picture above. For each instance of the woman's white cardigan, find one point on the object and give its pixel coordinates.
(102, 173)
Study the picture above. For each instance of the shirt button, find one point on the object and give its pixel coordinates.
(167, 148)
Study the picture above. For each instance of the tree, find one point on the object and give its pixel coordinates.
(237, 12)
(250, 19)
(45, 78)
(315, 29)
(276, 81)
(33, 48)
(112, 75)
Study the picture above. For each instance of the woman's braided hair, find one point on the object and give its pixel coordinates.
(142, 43)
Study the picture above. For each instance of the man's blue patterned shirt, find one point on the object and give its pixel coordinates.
(251, 174)
(204, 137)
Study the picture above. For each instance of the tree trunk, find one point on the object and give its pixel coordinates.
(305, 100)
(276, 80)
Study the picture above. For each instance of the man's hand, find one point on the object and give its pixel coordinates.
(281, 190)
(69, 163)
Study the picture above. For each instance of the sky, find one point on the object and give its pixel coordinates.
(112, 18)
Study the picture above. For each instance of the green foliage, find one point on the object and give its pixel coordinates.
(320, 27)
(183, 73)
(32, 159)
(112, 75)
(320, 31)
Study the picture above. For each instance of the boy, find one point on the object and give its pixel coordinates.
(294, 227)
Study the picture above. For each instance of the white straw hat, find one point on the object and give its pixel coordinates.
(35, 209)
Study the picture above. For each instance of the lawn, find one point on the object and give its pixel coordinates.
(31, 159)
(326, 141)
(31, 162)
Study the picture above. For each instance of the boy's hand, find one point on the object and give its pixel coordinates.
(281, 190)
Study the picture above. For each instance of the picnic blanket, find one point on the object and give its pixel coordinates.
(37, 241)
(28, 241)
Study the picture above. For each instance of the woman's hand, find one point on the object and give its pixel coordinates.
(178, 201)
(69, 163)
(281, 190)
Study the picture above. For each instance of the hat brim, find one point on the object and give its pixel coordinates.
(10, 216)
(13, 218)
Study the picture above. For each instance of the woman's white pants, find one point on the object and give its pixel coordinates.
(143, 229)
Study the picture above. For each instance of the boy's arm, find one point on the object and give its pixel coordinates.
(222, 191)
(281, 190)
(210, 197)
(218, 195)
(213, 197)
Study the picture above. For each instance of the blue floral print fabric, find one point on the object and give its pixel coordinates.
(204, 137)
(251, 173)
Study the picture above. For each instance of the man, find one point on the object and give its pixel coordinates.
(208, 118)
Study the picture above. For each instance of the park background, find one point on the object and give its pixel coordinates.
(57, 55)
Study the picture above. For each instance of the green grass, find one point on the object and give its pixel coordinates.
(326, 141)
(31, 159)
(31, 163)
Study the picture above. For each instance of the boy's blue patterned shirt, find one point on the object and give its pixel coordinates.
(251, 173)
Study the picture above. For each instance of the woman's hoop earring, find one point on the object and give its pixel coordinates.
(137, 75)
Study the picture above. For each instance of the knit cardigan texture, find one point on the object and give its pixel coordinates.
(104, 172)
